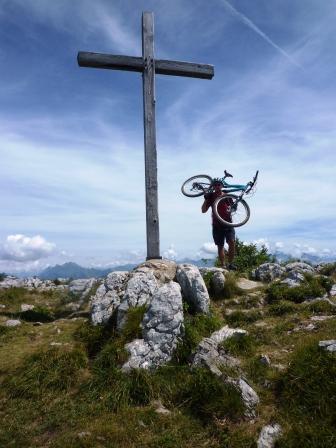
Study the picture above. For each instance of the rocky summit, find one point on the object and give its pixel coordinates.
(193, 356)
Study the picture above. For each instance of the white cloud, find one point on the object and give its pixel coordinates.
(209, 248)
(23, 248)
(170, 253)
(256, 29)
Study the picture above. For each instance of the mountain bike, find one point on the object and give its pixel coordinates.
(238, 208)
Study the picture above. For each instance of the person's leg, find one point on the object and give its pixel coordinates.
(221, 255)
(232, 250)
(218, 237)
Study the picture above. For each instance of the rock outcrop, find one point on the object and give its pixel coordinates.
(108, 297)
(162, 327)
(268, 272)
(139, 291)
(269, 435)
(193, 287)
(209, 354)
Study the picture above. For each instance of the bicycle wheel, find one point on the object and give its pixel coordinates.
(192, 187)
(240, 211)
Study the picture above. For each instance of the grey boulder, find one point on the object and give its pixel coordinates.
(108, 297)
(139, 291)
(162, 327)
(267, 272)
(269, 435)
(193, 287)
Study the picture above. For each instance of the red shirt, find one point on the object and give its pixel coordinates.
(223, 209)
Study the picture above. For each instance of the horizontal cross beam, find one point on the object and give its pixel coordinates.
(137, 64)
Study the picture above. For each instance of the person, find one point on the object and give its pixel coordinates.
(220, 231)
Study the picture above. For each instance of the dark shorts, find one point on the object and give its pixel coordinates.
(222, 233)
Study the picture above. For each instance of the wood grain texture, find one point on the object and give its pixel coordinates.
(152, 214)
(137, 64)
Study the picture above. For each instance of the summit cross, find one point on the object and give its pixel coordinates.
(148, 66)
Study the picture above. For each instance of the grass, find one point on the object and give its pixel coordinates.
(313, 287)
(307, 397)
(75, 395)
(196, 327)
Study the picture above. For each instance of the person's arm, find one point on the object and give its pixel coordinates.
(207, 203)
(205, 206)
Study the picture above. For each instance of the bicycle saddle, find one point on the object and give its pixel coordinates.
(226, 174)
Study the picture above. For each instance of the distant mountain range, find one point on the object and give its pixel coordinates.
(75, 271)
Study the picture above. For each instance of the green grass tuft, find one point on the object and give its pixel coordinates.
(55, 369)
(311, 288)
(238, 317)
(196, 327)
(240, 345)
(281, 308)
(307, 397)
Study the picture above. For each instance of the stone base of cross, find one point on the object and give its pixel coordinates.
(148, 66)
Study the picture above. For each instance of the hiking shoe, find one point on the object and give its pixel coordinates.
(232, 267)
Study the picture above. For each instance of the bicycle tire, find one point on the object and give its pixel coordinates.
(244, 210)
(189, 192)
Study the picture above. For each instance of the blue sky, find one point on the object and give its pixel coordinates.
(71, 139)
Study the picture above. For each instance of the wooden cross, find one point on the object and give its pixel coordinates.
(148, 66)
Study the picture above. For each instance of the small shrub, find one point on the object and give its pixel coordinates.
(38, 314)
(248, 256)
(207, 277)
(321, 306)
(328, 269)
(308, 290)
(281, 308)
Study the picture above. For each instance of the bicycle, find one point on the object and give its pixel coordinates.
(239, 210)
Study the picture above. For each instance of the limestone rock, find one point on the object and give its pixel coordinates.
(26, 307)
(164, 270)
(209, 355)
(268, 436)
(300, 267)
(333, 290)
(139, 291)
(247, 285)
(267, 272)
(11, 282)
(108, 296)
(162, 328)
(81, 286)
(218, 283)
(193, 287)
(249, 396)
(329, 345)
(12, 323)
(264, 359)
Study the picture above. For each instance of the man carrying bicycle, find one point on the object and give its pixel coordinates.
(221, 232)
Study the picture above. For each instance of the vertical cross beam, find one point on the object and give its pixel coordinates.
(148, 75)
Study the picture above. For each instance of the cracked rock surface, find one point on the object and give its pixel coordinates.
(108, 297)
(209, 354)
(162, 327)
(193, 287)
(268, 436)
(139, 291)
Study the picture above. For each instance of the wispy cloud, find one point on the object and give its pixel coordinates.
(248, 22)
